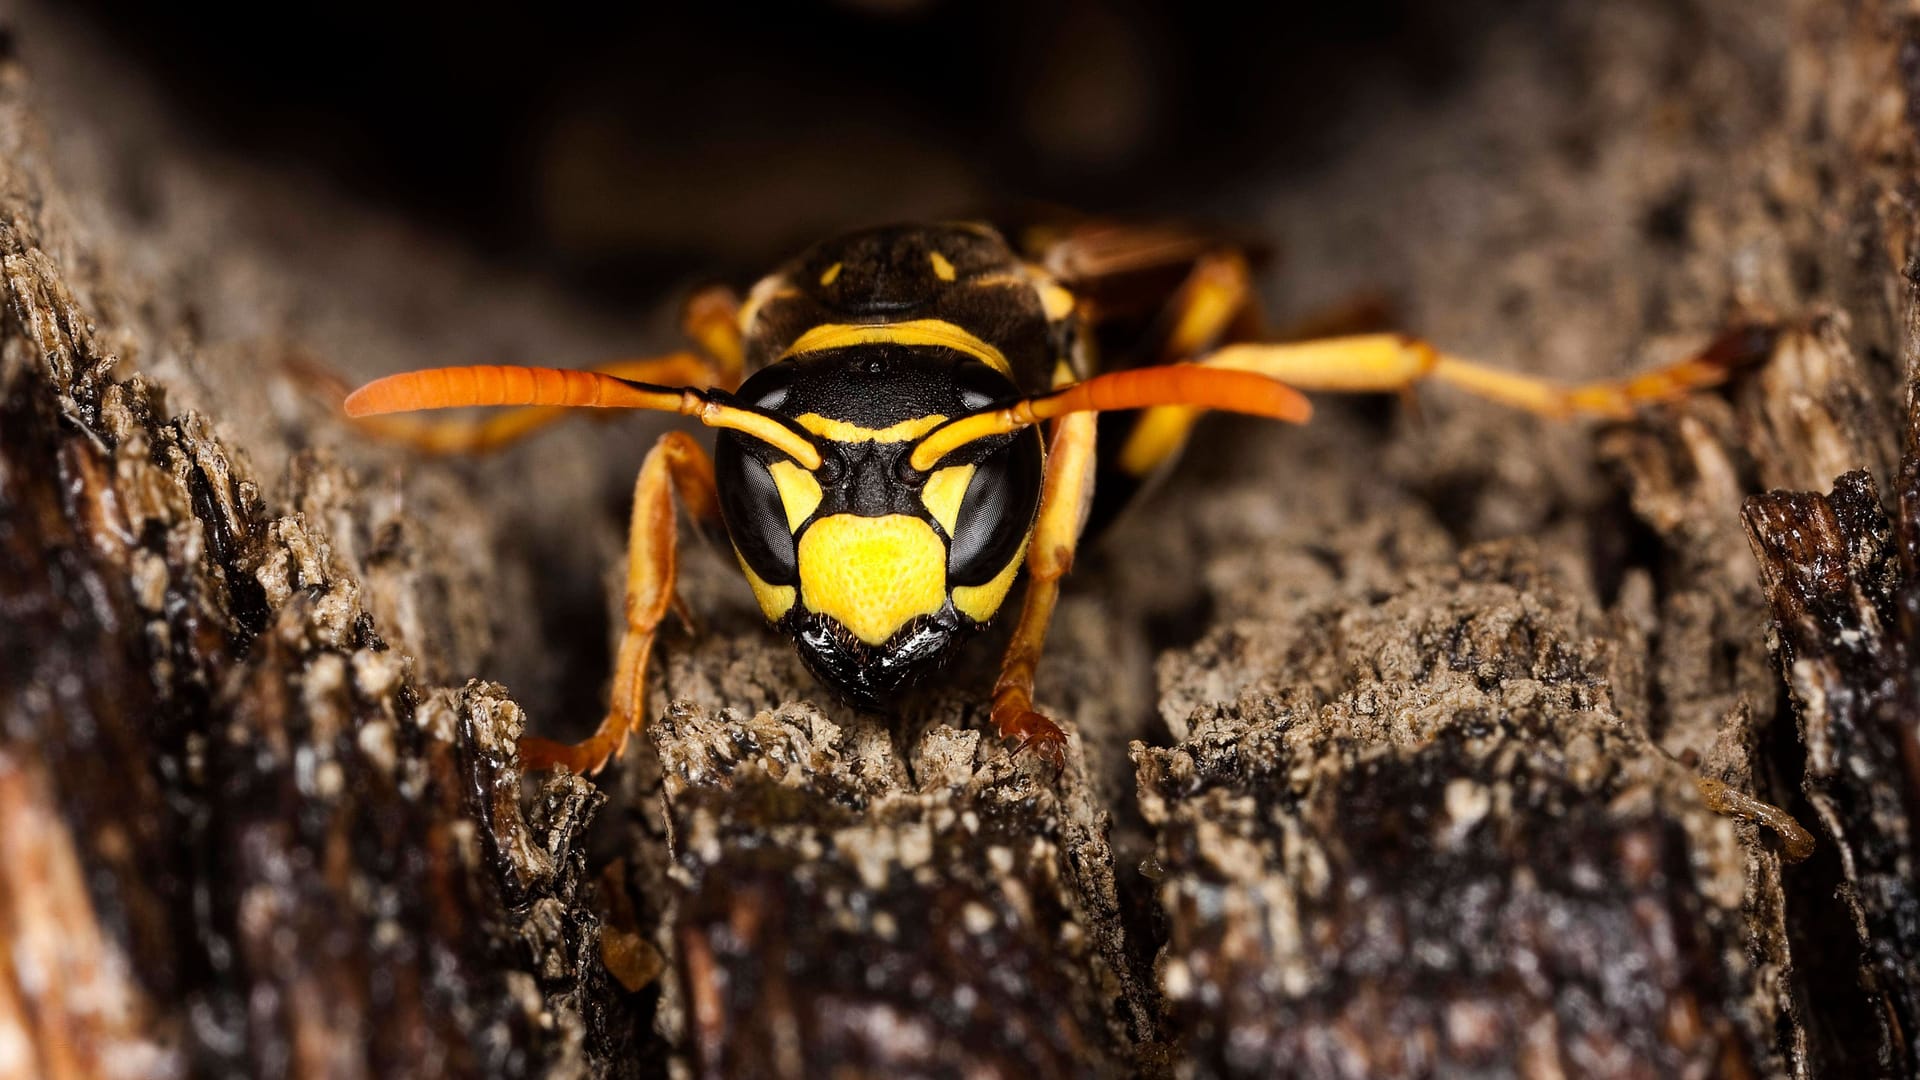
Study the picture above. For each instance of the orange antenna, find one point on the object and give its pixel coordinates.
(493, 384)
(1170, 384)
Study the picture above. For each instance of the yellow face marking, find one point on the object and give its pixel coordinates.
(800, 493)
(775, 600)
(943, 493)
(942, 269)
(873, 574)
(911, 332)
(979, 602)
(830, 275)
(841, 431)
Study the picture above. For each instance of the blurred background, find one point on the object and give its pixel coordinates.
(625, 149)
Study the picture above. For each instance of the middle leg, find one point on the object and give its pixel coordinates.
(1215, 302)
(1386, 363)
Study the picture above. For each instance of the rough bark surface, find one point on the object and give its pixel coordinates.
(1387, 728)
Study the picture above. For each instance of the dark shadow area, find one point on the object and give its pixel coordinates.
(623, 148)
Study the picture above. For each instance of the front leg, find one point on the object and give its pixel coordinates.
(676, 463)
(1064, 499)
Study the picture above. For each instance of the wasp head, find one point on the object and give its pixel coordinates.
(878, 570)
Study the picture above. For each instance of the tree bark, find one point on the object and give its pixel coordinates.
(1386, 729)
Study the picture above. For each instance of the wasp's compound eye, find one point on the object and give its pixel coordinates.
(755, 514)
(767, 388)
(997, 511)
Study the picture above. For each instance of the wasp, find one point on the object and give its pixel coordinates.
(910, 417)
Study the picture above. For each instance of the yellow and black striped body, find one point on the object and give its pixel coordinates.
(879, 571)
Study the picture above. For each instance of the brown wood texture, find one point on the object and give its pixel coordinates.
(1386, 727)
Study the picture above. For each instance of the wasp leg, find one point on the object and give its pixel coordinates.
(711, 319)
(1064, 499)
(1216, 299)
(1385, 363)
(675, 464)
(1395, 363)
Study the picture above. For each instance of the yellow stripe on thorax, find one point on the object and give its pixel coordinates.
(911, 332)
(1056, 301)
